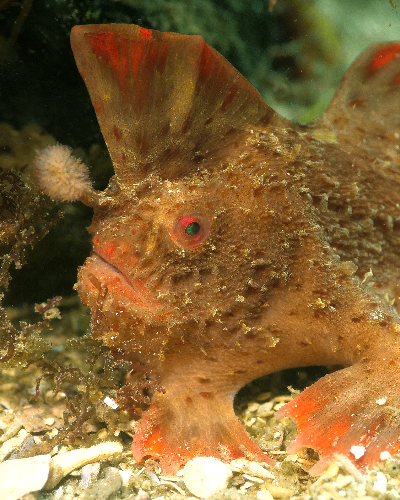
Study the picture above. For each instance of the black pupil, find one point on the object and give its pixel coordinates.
(192, 229)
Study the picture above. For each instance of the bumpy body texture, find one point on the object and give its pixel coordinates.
(232, 243)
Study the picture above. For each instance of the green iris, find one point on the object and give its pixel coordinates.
(192, 229)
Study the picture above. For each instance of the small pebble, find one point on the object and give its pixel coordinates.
(332, 470)
(380, 484)
(385, 455)
(253, 468)
(265, 409)
(253, 406)
(89, 473)
(105, 487)
(204, 476)
(357, 451)
(277, 491)
(142, 495)
(263, 396)
(343, 481)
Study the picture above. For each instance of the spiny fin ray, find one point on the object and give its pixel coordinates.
(165, 102)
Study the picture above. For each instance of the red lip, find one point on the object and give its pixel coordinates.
(115, 279)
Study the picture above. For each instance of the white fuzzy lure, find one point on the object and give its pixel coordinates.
(62, 176)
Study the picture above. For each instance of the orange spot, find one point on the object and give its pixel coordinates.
(117, 133)
(206, 395)
(97, 107)
(155, 441)
(109, 249)
(145, 34)
(395, 448)
(384, 57)
(397, 79)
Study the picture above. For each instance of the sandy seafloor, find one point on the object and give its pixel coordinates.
(295, 56)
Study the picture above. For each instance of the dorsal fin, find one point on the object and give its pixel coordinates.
(165, 102)
(365, 111)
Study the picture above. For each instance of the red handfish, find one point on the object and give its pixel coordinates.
(232, 243)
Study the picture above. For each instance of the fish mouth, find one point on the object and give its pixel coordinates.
(116, 280)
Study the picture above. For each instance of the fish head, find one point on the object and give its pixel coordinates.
(182, 259)
(183, 240)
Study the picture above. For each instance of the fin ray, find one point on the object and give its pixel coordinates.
(165, 102)
(355, 406)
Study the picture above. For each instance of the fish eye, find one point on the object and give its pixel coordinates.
(193, 228)
(189, 231)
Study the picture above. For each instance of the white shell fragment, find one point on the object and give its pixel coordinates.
(385, 455)
(62, 465)
(22, 476)
(111, 403)
(204, 476)
(357, 451)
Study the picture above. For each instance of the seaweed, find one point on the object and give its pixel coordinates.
(26, 216)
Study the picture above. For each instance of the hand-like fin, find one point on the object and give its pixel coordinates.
(210, 428)
(166, 103)
(352, 412)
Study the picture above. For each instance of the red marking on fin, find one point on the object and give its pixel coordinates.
(117, 133)
(113, 49)
(136, 59)
(206, 61)
(355, 406)
(396, 80)
(154, 86)
(145, 34)
(384, 57)
(208, 429)
(97, 107)
(363, 113)
(229, 98)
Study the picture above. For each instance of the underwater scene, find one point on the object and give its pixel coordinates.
(199, 234)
